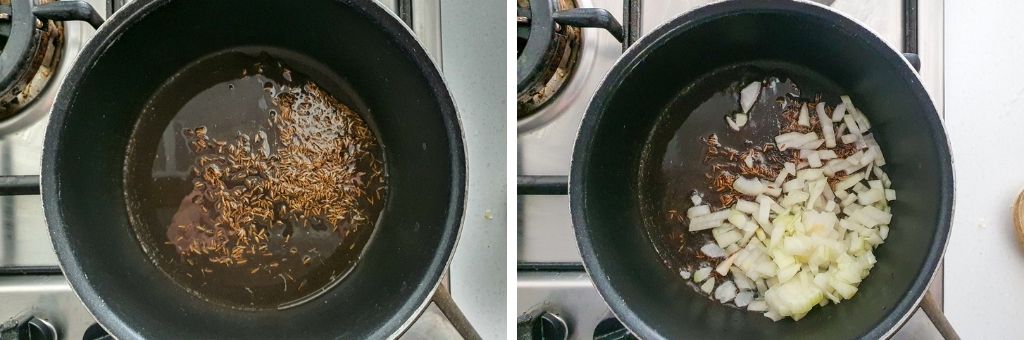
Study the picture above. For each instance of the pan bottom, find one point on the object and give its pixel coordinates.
(250, 185)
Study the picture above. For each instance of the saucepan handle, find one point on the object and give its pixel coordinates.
(443, 300)
(934, 313)
(914, 59)
(72, 10)
(590, 17)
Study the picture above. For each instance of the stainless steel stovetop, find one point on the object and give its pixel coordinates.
(31, 283)
(550, 277)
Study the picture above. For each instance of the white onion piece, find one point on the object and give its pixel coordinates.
(741, 279)
(848, 182)
(732, 123)
(741, 119)
(890, 195)
(744, 298)
(738, 218)
(723, 267)
(877, 214)
(712, 250)
(868, 156)
(780, 178)
(862, 120)
(749, 161)
(746, 206)
(810, 174)
(793, 198)
(727, 238)
(804, 118)
(849, 138)
(851, 125)
(757, 306)
(827, 154)
(826, 126)
(698, 211)
(795, 139)
(793, 185)
(837, 114)
(812, 145)
(749, 187)
(708, 286)
(725, 292)
(695, 198)
(701, 274)
(749, 94)
(871, 196)
(814, 160)
(685, 274)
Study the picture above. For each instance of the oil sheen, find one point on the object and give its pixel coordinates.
(252, 186)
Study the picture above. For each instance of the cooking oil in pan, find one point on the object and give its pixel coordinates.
(250, 185)
(676, 157)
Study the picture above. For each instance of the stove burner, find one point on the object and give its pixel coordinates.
(547, 52)
(32, 50)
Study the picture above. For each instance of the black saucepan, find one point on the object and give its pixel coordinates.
(607, 195)
(149, 41)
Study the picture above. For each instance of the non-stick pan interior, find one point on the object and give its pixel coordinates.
(653, 300)
(147, 43)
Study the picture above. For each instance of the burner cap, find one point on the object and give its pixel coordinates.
(32, 50)
(547, 52)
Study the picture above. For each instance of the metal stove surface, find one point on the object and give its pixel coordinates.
(545, 145)
(30, 286)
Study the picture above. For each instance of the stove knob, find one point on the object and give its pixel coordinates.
(28, 328)
(96, 332)
(612, 329)
(542, 326)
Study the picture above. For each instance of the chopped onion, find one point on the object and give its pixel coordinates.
(725, 292)
(738, 219)
(744, 298)
(746, 206)
(757, 306)
(814, 160)
(826, 126)
(749, 187)
(749, 94)
(837, 114)
(701, 274)
(852, 125)
(732, 123)
(813, 243)
(793, 185)
(804, 118)
(741, 119)
(695, 198)
(723, 268)
(848, 182)
(698, 211)
(712, 250)
(709, 221)
(890, 195)
(708, 286)
(685, 274)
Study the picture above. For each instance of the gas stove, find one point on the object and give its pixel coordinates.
(555, 295)
(33, 292)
